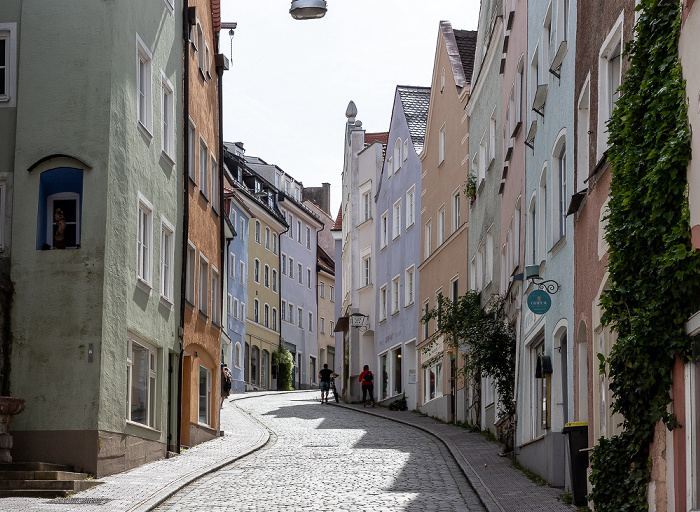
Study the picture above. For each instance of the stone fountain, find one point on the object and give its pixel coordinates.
(9, 406)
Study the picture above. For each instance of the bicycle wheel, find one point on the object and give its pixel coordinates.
(335, 395)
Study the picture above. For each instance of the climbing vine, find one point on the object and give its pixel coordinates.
(487, 340)
(285, 363)
(654, 272)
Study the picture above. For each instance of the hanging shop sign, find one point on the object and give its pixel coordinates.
(539, 302)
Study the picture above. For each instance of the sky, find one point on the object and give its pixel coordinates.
(289, 82)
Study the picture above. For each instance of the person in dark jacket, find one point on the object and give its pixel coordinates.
(367, 380)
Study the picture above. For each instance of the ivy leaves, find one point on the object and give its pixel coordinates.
(654, 271)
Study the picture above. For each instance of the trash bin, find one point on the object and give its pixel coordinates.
(578, 460)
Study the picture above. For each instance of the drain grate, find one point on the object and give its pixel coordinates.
(80, 501)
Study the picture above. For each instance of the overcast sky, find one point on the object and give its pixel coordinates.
(289, 82)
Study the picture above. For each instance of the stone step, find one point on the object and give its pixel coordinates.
(33, 493)
(57, 487)
(42, 475)
(33, 466)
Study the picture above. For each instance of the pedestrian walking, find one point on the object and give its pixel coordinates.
(325, 377)
(367, 380)
(226, 383)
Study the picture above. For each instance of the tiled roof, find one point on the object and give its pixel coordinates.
(466, 43)
(415, 101)
(216, 14)
(382, 137)
(338, 220)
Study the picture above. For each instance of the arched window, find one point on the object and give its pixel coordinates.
(256, 311)
(274, 243)
(267, 238)
(237, 356)
(256, 271)
(274, 280)
(266, 276)
(266, 315)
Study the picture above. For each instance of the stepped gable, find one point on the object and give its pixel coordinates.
(415, 101)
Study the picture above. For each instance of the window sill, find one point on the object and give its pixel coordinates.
(189, 304)
(146, 287)
(203, 315)
(192, 180)
(558, 245)
(142, 426)
(396, 238)
(395, 313)
(383, 247)
(364, 222)
(410, 304)
(410, 226)
(166, 302)
(216, 323)
(205, 196)
(144, 130)
(167, 157)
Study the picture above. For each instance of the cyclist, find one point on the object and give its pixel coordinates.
(325, 376)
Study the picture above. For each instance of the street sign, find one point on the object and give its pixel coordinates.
(539, 302)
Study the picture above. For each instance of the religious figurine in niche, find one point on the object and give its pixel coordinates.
(59, 241)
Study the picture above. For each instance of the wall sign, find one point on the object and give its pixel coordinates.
(539, 302)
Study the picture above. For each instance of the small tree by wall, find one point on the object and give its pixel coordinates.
(282, 358)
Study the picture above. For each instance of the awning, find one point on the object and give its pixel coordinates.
(342, 324)
(544, 366)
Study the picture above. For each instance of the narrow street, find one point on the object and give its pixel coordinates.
(327, 458)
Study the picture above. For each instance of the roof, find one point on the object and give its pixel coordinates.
(216, 14)
(382, 137)
(466, 44)
(338, 220)
(324, 261)
(415, 102)
(461, 48)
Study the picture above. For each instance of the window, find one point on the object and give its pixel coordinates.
(242, 315)
(532, 233)
(322, 325)
(266, 276)
(235, 309)
(389, 166)
(203, 285)
(290, 310)
(480, 254)
(308, 238)
(8, 64)
(267, 238)
(442, 141)
(441, 226)
(385, 229)
(560, 160)
(274, 280)
(167, 257)
(397, 220)
(232, 266)
(331, 329)
(243, 229)
(410, 206)
(547, 39)
(257, 231)
(541, 388)
(332, 290)
(488, 271)
(291, 268)
(609, 76)
(426, 325)
(256, 311)
(300, 274)
(395, 290)
(144, 103)
(204, 395)
(142, 376)
(428, 236)
(397, 154)
(200, 48)
(433, 380)
(410, 286)
(290, 232)
(366, 206)
(284, 310)
(203, 168)
(382, 303)
(299, 231)
(60, 206)
(308, 278)
(472, 274)
(300, 318)
(492, 138)
(284, 264)
(167, 109)
(214, 185)
(274, 319)
(241, 273)
(562, 23)
(266, 315)
(542, 220)
(584, 136)
(274, 243)
(483, 152)
(215, 296)
(322, 290)
(366, 270)
(256, 271)
(455, 210)
(190, 276)
(454, 292)
(311, 322)
(207, 62)
(192, 151)
(144, 235)
(237, 356)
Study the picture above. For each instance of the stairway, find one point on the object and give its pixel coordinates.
(41, 480)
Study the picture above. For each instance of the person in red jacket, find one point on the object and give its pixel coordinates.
(367, 380)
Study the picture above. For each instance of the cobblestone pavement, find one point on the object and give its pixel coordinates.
(328, 458)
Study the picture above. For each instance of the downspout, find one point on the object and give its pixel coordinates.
(185, 210)
(220, 191)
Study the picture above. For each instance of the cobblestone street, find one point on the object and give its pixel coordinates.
(326, 458)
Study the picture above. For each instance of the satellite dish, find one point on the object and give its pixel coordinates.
(308, 9)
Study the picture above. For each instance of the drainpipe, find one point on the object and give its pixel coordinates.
(186, 210)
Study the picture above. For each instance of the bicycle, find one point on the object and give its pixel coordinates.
(336, 395)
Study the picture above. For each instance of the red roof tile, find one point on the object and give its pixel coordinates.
(216, 14)
(338, 220)
(382, 137)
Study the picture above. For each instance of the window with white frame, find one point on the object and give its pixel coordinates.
(241, 274)
(397, 220)
(456, 210)
(331, 328)
(480, 254)
(559, 158)
(215, 296)
(532, 232)
(274, 319)
(237, 356)
(562, 23)
(322, 290)
(410, 206)
(308, 238)
(266, 315)
(256, 271)
(8, 64)
(441, 226)
(205, 396)
(410, 285)
(395, 299)
(192, 150)
(442, 144)
(290, 313)
(214, 184)
(385, 229)
(366, 206)
(389, 167)
(242, 313)
(232, 265)
(243, 232)
(516, 235)
(492, 138)
(322, 325)
(256, 311)
(274, 280)
(200, 48)
(405, 150)
(203, 285)
(308, 278)
(300, 273)
(472, 274)
(284, 310)
(290, 231)
(520, 89)
(267, 238)
(299, 232)
(300, 318)
(488, 271)
(266, 276)
(144, 235)
(291, 268)
(274, 243)
(483, 151)
(542, 220)
(235, 309)
(207, 62)
(426, 325)
(583, 136)
(284, 264)
(142, 377)
(332, 293)
(609, 79)
(190, 272)
(257, 231)
(397, 154)
(144, 86)
(454, 289)
(382, 303)
(167, 258)
(167, 108)
(366, 270)
(229, 304)
(428, 238)
(547, 39)
(432, 378)
(203, 168)
(311, 322)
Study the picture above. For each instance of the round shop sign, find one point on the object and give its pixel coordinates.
(539, 302)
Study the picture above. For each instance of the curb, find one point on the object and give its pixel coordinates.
(166, 492)
(486, 497)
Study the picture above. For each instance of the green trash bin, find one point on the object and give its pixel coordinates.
(577, 434)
